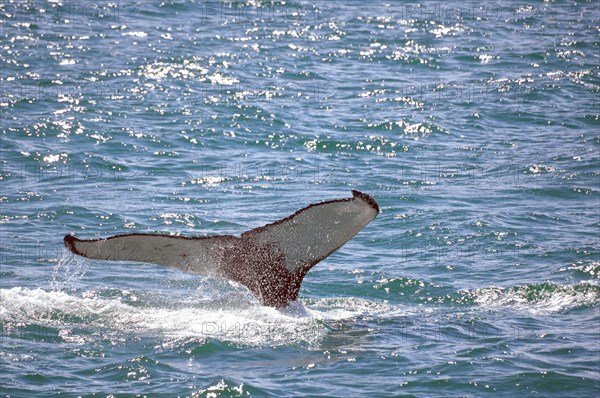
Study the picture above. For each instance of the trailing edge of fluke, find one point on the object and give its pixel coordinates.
(271, 261)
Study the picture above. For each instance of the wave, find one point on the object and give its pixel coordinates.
(253, 325)
(235, 318)
(537, 298)
(89, 315)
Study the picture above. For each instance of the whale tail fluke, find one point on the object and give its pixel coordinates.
(271, 260)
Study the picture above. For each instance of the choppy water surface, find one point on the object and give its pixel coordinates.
(474, 125)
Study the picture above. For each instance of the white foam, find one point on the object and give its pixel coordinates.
(116, 317)
(545, 298)
(343, 308)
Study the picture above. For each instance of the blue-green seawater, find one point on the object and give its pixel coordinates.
(474, 125)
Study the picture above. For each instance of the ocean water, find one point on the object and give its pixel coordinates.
(474, 125)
